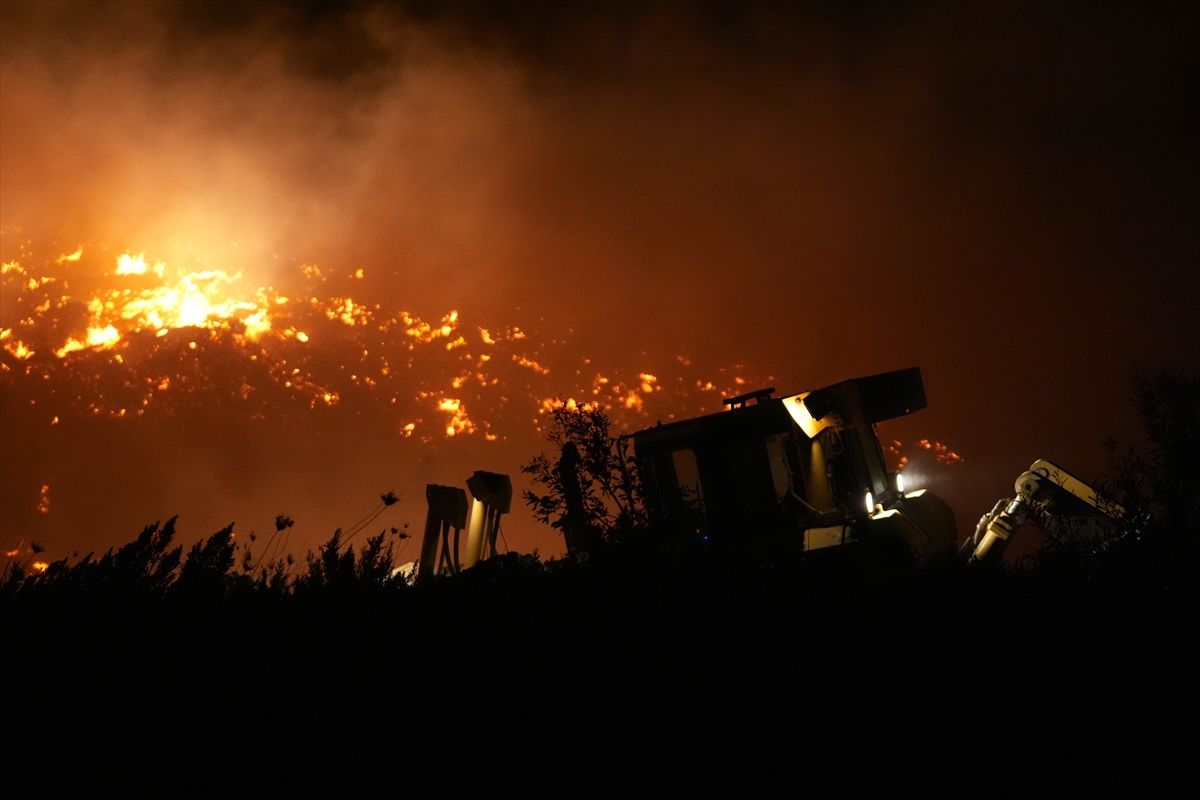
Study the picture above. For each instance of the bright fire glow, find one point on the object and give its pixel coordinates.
(205, 299)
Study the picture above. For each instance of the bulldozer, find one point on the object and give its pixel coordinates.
(794, 474)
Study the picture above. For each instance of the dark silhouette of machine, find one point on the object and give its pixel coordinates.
(798, 473)
(491, 495)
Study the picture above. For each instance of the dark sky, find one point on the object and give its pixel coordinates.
(1006, 194)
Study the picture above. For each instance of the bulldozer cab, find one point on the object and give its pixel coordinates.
(770, 467)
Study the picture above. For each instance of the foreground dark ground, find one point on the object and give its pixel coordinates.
(700, 646)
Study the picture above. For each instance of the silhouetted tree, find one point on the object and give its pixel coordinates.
(593, 486)
(1161, 489)
(1157, 541)
(1168, 403)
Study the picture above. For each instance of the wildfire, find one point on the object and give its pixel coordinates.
(145, 337)
(206, 299)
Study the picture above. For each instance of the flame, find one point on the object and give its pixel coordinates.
(531, 364)
(570, 404)
(131, 265)
(349, 312)
(18, 349)
(78, 254)
(459, 422)
(193, 299)
(426, 333)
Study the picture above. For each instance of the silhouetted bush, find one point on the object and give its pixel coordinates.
(594, 473)
(206, 572)
(145, 567)
(1153, 547)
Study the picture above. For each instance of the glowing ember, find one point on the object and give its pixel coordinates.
(78, 254)
(531, 364)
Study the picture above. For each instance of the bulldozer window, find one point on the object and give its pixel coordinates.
(687, 476)
(816, 477)
(781, 475)
(806, 471)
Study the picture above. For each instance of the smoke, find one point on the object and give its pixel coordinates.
(136, 134)
(1001, 193)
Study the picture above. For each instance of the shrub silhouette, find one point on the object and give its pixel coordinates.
(331, 571)
(204, 575)
(606, 490)
(144, 567)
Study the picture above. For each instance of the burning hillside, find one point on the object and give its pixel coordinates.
(126, 338)
(137, 336)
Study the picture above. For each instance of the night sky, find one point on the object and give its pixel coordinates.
(646, 204)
